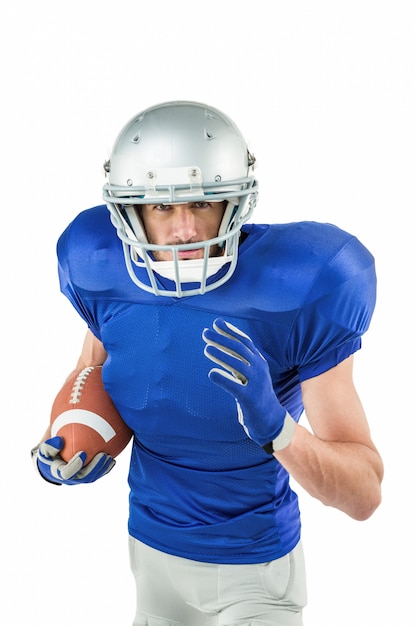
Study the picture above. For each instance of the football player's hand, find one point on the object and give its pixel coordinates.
(55, 470)
(244, 373)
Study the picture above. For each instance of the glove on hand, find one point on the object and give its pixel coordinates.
(55, 470)
(246, 377)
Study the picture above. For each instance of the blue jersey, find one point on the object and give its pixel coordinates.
(199, 487)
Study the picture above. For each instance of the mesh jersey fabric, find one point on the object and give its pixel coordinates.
(199, 487)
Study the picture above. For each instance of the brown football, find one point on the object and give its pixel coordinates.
(84, 415)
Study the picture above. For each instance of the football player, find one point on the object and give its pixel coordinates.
(215, 335)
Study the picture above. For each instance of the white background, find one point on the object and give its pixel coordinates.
(326, 94)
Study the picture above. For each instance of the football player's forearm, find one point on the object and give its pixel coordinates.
(344, 475)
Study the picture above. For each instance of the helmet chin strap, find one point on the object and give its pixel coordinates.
(190, 270)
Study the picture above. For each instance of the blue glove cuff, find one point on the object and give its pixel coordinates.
(34, 455)
(284, 437)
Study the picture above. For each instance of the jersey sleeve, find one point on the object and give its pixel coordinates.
(65, 252)
(336, 313)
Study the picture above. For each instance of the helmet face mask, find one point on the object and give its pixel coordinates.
(180, 152)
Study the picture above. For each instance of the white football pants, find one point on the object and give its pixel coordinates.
(172, 591)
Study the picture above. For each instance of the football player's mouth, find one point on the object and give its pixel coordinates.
(190, 254)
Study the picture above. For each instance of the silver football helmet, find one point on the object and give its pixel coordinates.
(179, 152)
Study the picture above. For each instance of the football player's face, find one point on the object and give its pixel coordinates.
(174, 224)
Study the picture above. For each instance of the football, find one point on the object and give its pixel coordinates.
(84, 415)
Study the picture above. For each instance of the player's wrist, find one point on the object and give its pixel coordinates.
(284, 438)
(271, 426)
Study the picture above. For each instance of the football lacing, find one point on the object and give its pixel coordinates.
(79, 384)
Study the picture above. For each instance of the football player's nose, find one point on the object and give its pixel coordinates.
(184, 226)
